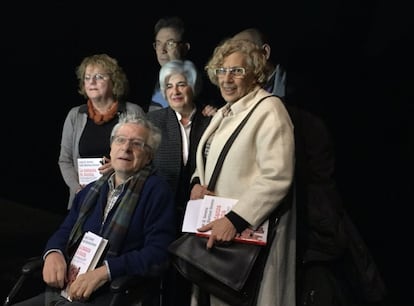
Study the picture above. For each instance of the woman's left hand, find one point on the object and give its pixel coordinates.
(106, 165)
(222, 231)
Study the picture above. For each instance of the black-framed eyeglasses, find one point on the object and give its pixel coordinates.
(237, 72)
(98, 77)
(169, 45)
(137, 144)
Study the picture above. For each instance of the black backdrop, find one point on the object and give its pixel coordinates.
(349, 61)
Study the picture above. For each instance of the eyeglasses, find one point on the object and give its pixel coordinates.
(99, 77)
(169, 45)
(136, 144)
(237, 72)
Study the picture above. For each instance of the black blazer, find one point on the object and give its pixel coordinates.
(168, 159)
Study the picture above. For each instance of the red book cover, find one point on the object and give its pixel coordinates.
(201, 212)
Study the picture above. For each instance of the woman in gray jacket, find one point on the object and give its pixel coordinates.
(87, 127)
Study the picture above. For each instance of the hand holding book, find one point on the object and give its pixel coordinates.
(201, 212)
(86, 258)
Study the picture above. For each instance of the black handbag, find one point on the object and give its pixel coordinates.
(231, 272)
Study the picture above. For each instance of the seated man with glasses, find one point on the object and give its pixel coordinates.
(130, 206)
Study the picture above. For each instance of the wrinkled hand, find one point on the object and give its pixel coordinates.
(106, 166)
(222, 231)
(199, 191)
(209, 111)
(85, 284)
(54, 270)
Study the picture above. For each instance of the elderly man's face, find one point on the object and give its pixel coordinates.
(129, 151)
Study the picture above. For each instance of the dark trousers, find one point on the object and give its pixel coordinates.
(176, 289)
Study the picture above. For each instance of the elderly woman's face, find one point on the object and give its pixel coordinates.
(233, 87)
(179, 93)
(97, 83)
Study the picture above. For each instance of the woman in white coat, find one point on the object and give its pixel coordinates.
(258, 169)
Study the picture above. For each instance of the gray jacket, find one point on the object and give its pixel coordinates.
(69, 147)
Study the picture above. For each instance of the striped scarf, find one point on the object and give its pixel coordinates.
(118, 226)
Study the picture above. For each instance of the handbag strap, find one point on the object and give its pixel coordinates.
(223, 153)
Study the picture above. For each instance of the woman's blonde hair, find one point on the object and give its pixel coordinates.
(111, 67)
(255, 59)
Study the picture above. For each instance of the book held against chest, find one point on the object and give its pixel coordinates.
(88, 170)
(203, 211)
(87, 256)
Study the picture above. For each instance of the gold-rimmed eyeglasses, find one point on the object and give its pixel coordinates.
(169, 44)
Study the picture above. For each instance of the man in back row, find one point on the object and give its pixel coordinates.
(276, 82)
(171, 43)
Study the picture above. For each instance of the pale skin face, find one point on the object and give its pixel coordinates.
(98, 91)
(233, 88)
(125, 159)
(179, 94)
(163, 54)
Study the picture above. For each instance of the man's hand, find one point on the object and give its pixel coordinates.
(54, 270)
(85, 284)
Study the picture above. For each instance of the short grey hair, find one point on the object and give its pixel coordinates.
(154, 138)
(183, 67)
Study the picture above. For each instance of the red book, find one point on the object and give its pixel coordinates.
(87, 256)
(202, 212)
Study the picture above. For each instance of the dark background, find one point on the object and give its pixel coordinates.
(350, 62)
